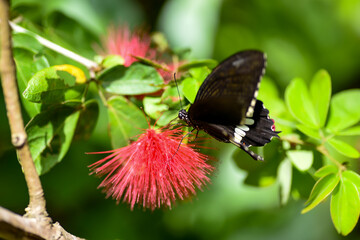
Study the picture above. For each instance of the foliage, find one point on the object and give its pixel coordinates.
(319, 130)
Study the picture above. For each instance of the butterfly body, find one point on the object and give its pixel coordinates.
(226, 107)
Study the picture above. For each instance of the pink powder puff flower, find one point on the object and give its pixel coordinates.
(154, 170)
(127, 44)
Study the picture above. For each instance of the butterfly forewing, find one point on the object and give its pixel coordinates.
(227, 93)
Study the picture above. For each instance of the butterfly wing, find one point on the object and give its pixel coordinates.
(226, 107)
(229, 93)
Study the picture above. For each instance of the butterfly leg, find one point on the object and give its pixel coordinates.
(197, 133)
(182, 139)
(251, 153)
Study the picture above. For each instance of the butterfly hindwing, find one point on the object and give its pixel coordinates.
(257, 131)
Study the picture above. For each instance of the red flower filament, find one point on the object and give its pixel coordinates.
(121, 41)
(126, 44)
(148, 173)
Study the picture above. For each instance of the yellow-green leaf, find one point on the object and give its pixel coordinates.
(301, 159)
(344, 110)
(353, 177)
(345, 206)
(352, 131)
(343, 148)
(298, 101)
(322, 188)
(285, 177)
(320, 90)
(314, 133)
(326, 170)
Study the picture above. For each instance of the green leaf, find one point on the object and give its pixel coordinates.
(353, 131)
(87, 120)
(126, 121)
(326, 170)
(50, 134)
(199, 73)
(268, 89)
(298, 101)
(112, 60)
(27, 64)
(166, 117)
(269, 94)
(89, 18)
(135, 80)
(301, 159)
(27, 42)
(320, 90)
(285, 177)
(314, 133)
(153, 107)
(171, 97)
(322, 188)
(353, 177)
(344, 110)
(345, 207)
(111, 73)
(343, 148)
(191, 85)
(52, 86)
(189, 88)
(210, 63)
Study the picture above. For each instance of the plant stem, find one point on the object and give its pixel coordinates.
(320, 148)
(91, 65)
(83, 98)
(325, 152)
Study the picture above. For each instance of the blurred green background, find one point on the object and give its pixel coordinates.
(299, 38)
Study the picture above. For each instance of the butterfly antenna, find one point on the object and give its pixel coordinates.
(177, 87)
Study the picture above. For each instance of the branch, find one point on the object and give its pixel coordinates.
(18, 135)
(14, 226)
(35, 224)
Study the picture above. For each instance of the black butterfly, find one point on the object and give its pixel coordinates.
(226, 106)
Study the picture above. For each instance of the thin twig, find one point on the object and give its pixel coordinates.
(80, 59)
(325, 152)
(18, 135)
(320, 148)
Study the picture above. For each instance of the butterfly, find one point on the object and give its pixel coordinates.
(226, 107)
